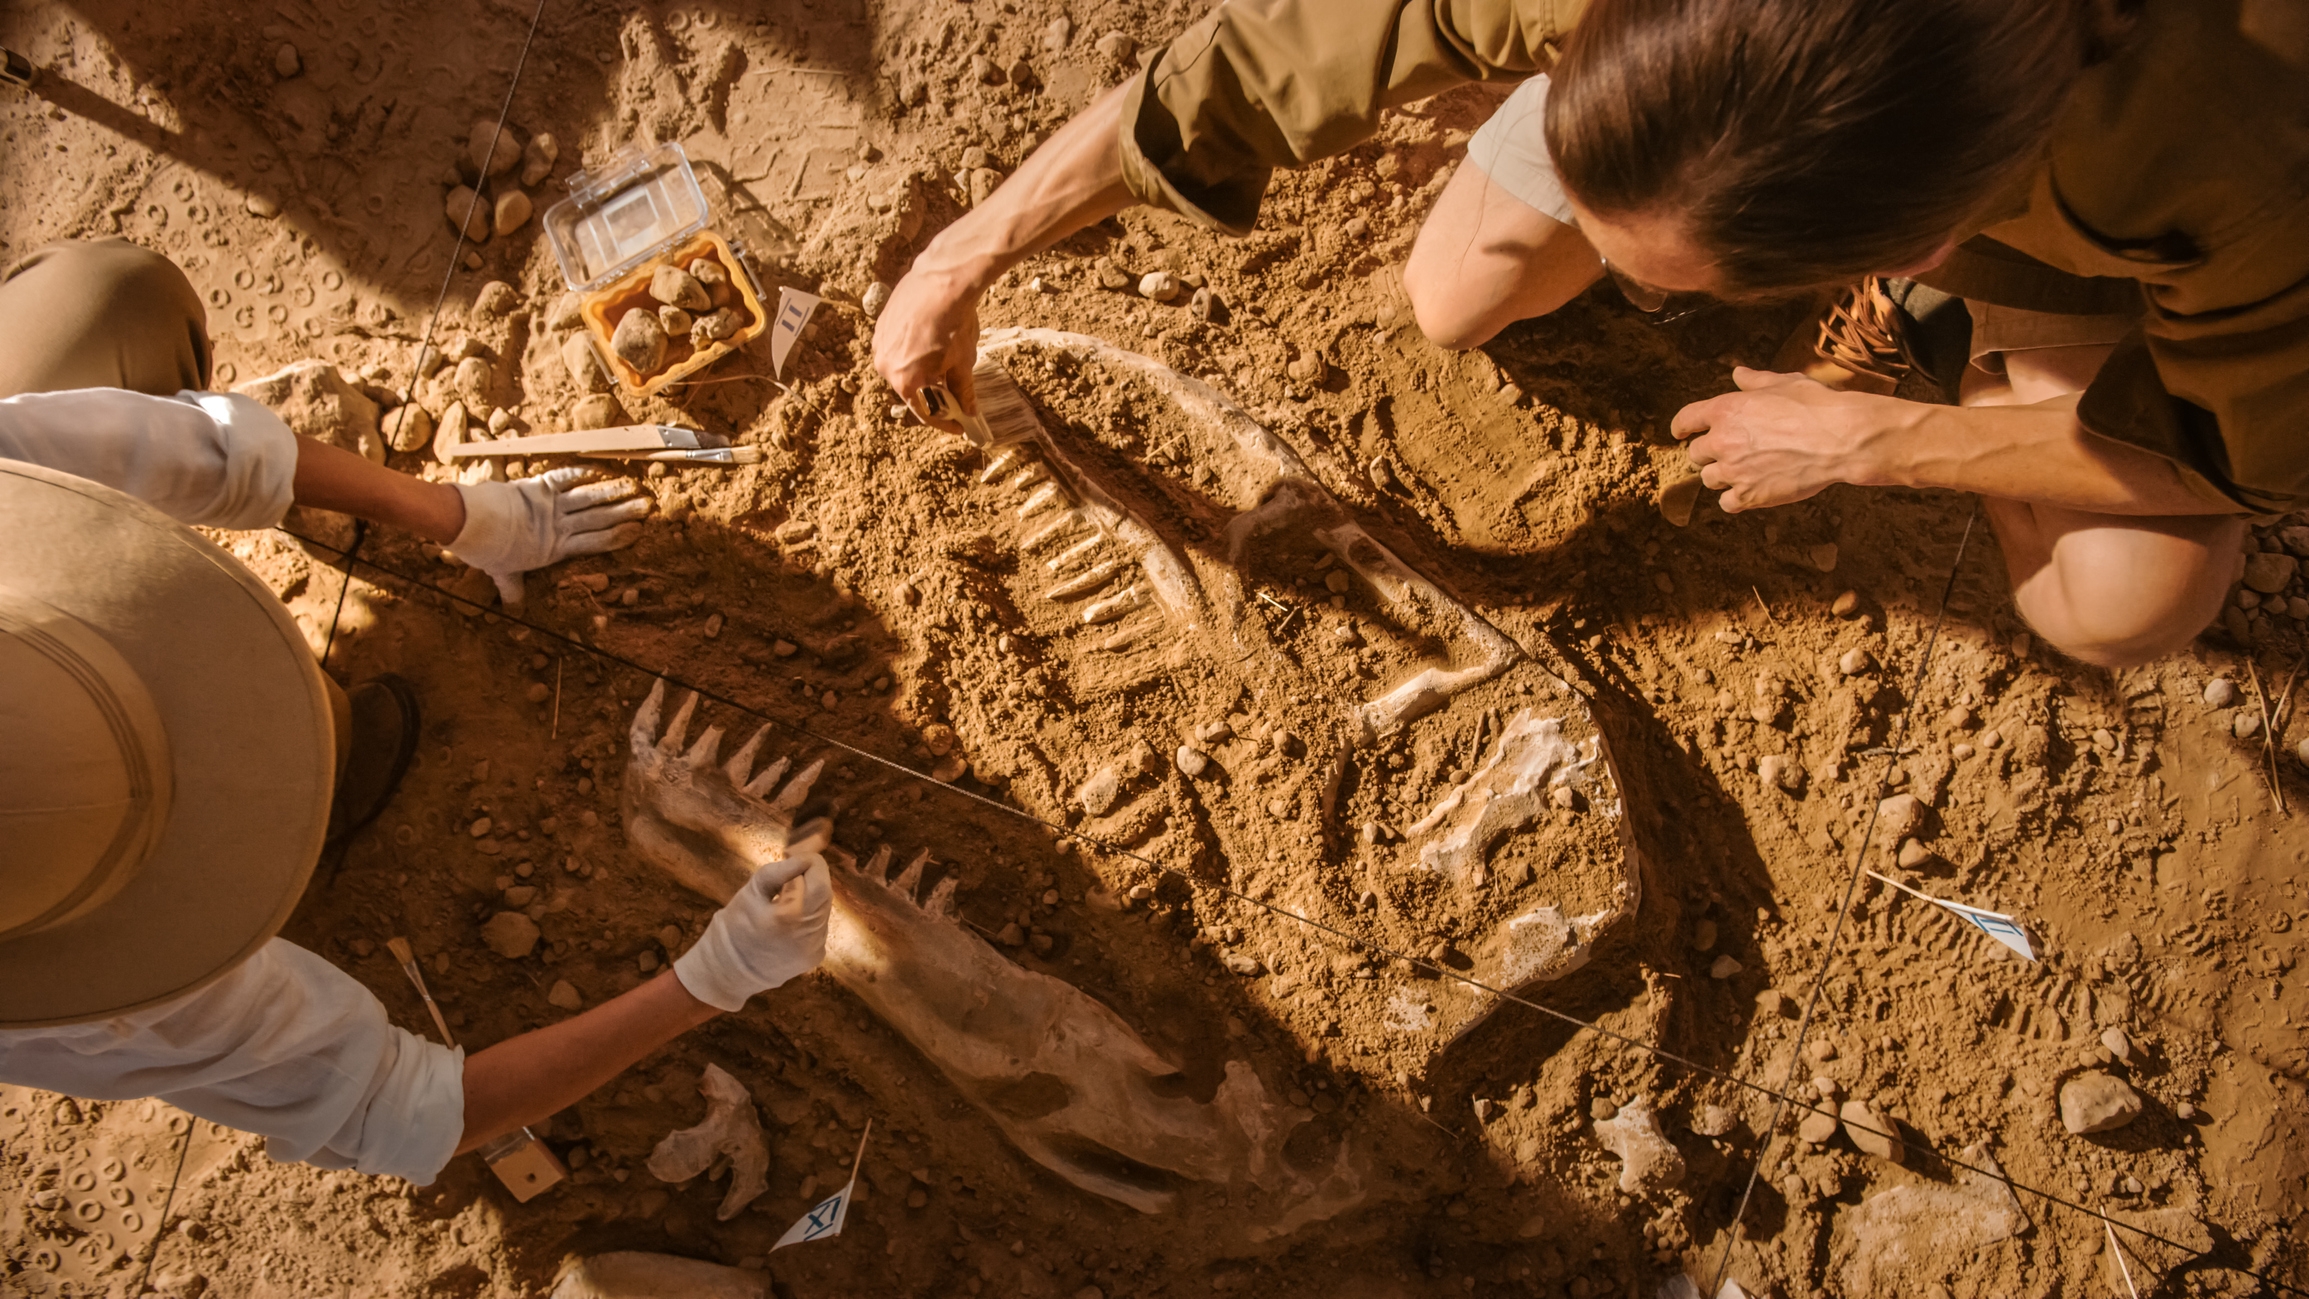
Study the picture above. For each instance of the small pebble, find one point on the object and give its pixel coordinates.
(1724, 968)
(472, 379)
(491, 148)
(1820, 1049)
(538, 157)
(1913, 854)
(1110, 275)
(1098, 794)
(2245, 725)
(640, 340)
(1872, 1132)
(512, 212)
(1118, 47)
(510, 934)
(1900, 817)
(877, 296)
(1704, 936)
(2097, 1102)
(1825, 1087)
(674, 321)
(2118, 1044)
(676, 287)
(1855, 662)
(1206, 305)
(2220, 692)
(1846, 605)
(287, 62)
(1191, 761)
(480, 828)
(563, 995)
(1162, 286)
(1817, 1128)
(465, 209)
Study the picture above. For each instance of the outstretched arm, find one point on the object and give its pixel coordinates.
(527, 1079)
(332, 478)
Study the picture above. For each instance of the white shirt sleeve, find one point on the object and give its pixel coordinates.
(287, 1046)
(1511, 149)
(211, 458)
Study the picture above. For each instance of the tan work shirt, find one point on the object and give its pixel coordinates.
(2177, 184)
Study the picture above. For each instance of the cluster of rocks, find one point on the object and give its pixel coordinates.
(489, 181)
(696, 305)
(2271, 584)
(1163, 286)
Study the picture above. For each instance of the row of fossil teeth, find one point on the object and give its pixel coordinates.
(1027, 473)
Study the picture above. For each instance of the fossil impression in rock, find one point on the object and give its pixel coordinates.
(1118, 565)
(731, 1129)
(1070, 1083)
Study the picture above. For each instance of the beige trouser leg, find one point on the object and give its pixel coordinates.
(100, 313)
(2113, 590)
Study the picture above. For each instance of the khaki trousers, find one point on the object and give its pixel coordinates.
(104, 313)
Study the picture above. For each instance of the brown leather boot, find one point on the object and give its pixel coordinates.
(1854, 344)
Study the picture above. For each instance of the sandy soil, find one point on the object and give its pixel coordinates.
(862, 582)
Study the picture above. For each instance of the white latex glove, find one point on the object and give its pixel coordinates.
(513, 527)
(774, 929)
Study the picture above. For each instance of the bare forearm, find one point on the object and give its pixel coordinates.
(332, 478)
(526, 1079)
(1072, 181)
(2041, 454)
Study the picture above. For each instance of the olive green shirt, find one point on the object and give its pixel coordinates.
(2177, 185)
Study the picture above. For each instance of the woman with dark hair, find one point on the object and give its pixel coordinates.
(2087, 221)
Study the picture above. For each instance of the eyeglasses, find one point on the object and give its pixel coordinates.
(1660, 305)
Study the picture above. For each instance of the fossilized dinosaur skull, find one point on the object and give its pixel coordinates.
(1063, 1076)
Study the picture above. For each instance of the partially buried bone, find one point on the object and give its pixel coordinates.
(1271, 487)
(633, 1274)
(1062, 1075)
(731, 1130)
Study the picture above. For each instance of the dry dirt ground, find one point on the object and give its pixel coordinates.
(861, 581)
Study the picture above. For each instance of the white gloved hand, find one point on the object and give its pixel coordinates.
(513, 527)
(774, 929)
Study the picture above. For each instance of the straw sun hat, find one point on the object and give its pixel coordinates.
(166, 754)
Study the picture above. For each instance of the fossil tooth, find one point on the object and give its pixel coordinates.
(1114, 606)
(1002, 460)
(1096, 576)
(910, 879)
(1051, 529)
(797, 789)
(879, 867)
(644, 730)
(741, 763)
(1028, 477)
(941, 901)
(678, 730)
(1076, 551)
(760, 786)
(1040, 497)
(701, 755)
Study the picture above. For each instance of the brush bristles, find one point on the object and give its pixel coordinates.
(1001, 403)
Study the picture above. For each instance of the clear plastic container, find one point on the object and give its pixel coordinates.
(641, 210)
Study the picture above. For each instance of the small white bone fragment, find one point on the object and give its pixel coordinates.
(1648, 1160)
(1114, 606)
(1049, 530)
(1076, 551)
(1089, 580)
(1002, 460)
(732, 1129)
(633, 1274)
(1028, 477)
(1040, 497)
(1503, 796)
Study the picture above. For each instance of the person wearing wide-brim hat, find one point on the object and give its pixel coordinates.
(172, 757)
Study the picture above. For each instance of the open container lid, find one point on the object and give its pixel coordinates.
(644, 200)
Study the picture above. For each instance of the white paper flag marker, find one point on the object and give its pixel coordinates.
(825, 1218)
(1995, 924)
(794, 310)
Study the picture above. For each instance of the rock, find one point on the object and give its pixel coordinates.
(513, 209)
(563, 994)
(1021, 74)
(1724, 967)
(708, 272)
(640, 340)
(583, 364)
(1098, 793)
(597, 411)
(1779, 771)
(877, 297)
(496, 298)
(472, 379)
(1823, 556)
(1900, 817)
(568, 312)
(538, 157)
(315, 400)
(1913, 854)
(676, 287)
(1714, 1121)
(986, 70)
(1055, 37)
(1817, 1128)
(2118, 1044)
(1162, 286)
(2097, 1102)
(1772, 1003)
(1678, 495)
(2245, 725)
(2220, 692)
(1704, 936)
(1855, 662)
(632, 1274)
(1246, 966)
(510, 934)
(1118, 47)
(1649, 1161)
(260, 206)
(715, 326)
(1207, 306)
(1820, 1049)
(287, 62)
(2270, 572)
(983, 183)
(407, 427)
(1826, 1088)
(1110, 275)
(449, 434)
(1191, 761)
(1872, 1132)
(466, 211)
(491, 148)
(1846, 605)
(674, 321)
